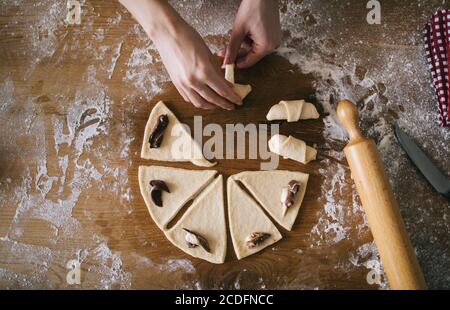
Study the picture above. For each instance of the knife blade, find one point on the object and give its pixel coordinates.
(429, 170)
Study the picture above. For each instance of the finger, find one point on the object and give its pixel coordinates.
(237, 37)
(247, 45)
(242, 52)
(182, 93)
(244, 49)
(211, 96)
(199, 102)
(222, 52)
(250, 59)
(224, 88)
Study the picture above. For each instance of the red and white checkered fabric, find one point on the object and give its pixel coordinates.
(437, 46)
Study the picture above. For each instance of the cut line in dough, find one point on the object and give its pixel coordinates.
(245, 217)
(174, 135)
(241, 90)
(206, 216)
(267, 186)
(292, 148)
(183, 185)
(293, 111)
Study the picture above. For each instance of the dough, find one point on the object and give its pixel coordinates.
(164, 152)
(292, 111)
(246, 217)
(267, 186)
(206, 216)
(183, 185)
(292, 148)
(241, 90)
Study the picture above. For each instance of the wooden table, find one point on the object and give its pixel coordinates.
(74, 103)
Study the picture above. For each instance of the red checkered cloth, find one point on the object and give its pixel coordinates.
(437, 46)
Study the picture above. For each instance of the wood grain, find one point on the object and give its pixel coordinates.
(277, 261)
(301, 260)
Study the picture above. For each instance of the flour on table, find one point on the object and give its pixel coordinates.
(145, 71)
(75, 155)
(68, 160)
(110, 265)
(383, 98)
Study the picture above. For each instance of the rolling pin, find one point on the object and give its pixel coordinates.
(383, 214)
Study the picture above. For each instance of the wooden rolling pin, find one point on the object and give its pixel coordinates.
(385, 221)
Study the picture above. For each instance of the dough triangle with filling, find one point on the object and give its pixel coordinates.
(267, 187)
(245, 219)
(205, 217)
(183, 186)
(177, 143)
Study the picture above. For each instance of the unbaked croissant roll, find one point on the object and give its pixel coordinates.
(292, 111)
(292, 148)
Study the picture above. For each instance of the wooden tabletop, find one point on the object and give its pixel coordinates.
(74, 100)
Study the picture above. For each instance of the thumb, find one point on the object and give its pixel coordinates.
(250, 59)
(222, 52)
(237, 37)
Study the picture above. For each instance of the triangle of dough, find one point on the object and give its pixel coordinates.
(266, 188)
(183, 137)
(246, 217)
(241, 90)
(183, 185)
(206, 216)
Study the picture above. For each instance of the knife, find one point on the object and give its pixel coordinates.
(430, 171)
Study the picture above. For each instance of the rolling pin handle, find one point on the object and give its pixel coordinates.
(348, 115)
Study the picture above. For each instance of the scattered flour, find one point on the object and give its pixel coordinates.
(145, 71)
(111, 267)
(171, 265)
(394, 86)
(332, 223)
(69, 154)
(367, 256)
(115, 57)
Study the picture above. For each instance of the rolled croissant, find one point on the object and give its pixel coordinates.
(292, 148)
(292, 111)
(241, 90)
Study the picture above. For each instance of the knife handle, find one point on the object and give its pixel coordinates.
(383, 214)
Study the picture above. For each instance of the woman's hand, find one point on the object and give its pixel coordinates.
(185, 55)
(193, 71)
(256, 33)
